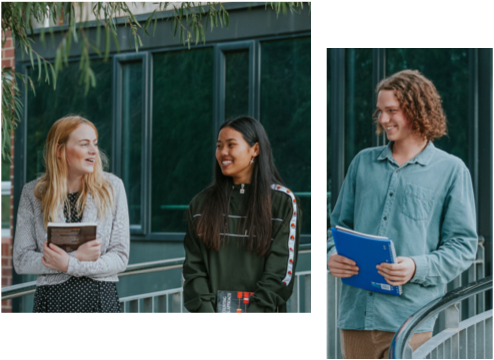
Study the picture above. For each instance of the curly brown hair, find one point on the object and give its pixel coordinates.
(420, 102)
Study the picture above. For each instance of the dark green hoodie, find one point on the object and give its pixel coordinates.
(233, 268)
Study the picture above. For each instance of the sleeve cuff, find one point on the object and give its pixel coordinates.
(330, 252)
(206, 307)
(72, 265)
(420, 269)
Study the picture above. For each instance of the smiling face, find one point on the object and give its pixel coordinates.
(392, 118)
(234, 155)
(81, 150)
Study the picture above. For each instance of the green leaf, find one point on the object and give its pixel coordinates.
(47, 77)
(155, 23)
(54, 77)
(31, 57)
(93, 78)
(32, 86)
(39, 67)
(133, 17)
(148, 21)
(74, 32)
(95, 49)
(82, 62)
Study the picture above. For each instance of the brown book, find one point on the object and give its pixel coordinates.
(69, 236)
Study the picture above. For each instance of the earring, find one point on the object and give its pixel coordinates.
(252, 161)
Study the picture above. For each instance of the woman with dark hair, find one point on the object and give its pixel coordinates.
(243, 230)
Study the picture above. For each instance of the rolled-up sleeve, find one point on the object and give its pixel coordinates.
(116, 256)
(458, 244)
(343, 212)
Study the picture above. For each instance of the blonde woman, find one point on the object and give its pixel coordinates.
(73, 189)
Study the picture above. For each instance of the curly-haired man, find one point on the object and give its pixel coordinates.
(418, 196)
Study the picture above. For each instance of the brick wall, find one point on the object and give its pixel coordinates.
(8, 61)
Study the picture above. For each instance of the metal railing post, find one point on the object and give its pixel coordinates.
(177, 302)
(293, 302)
(307, 293)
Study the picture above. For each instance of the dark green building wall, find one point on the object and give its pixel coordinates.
(157, 113)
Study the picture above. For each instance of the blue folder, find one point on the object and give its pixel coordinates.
(367, 251)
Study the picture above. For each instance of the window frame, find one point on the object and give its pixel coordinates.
(143, 232)
(119, 61)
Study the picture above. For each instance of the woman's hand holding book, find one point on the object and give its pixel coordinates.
(55, 258)
(89, 251)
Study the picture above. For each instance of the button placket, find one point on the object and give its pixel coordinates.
(388, 204)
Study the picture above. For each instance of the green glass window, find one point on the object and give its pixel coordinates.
(286, 113)
(132, 137)
(236, 83)
(183, 139)
(68, 99)
(328, 131)
(359, 126)
(449, 71)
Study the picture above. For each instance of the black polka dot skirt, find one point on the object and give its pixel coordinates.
(77, 295)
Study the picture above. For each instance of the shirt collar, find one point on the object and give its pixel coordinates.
(423, 158)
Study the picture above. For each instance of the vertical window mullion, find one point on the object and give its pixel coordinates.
(130, 127)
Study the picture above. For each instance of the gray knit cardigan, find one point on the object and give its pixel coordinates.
(113, 230)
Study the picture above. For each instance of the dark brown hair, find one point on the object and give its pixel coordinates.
(419, 101)
(258, 220)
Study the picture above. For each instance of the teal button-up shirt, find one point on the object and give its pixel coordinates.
(426, 206)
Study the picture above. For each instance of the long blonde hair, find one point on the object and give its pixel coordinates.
(51, 189)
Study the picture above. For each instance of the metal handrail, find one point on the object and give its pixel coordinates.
(28, 288)
(185, 207)
(399, 348)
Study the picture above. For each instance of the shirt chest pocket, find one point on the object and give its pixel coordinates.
(417, 202)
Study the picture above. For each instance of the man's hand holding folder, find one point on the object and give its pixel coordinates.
(341, 266)
(399, 273)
